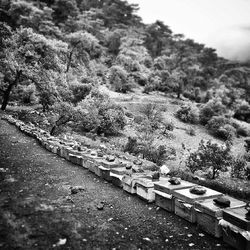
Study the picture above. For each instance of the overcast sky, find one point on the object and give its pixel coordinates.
(221, 24)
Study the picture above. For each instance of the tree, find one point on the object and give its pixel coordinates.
(65, 112)
(210, 156)
(82, 47)
(157, 38)
(118, 79)
(27, 55)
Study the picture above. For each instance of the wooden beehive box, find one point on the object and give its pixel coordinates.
(164, 190)
(184, 202)
(116, 179)
(110, 164)
(164, 200)
(237, 217)
(208, 214)
(104, 173)
(144, 189)
(129, 182)
(235, 236)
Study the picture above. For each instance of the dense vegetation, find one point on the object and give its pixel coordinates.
(56, 53)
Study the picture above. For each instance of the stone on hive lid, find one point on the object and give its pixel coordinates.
(110, 158)
(175, 181)
(199, 190)
(137, 162)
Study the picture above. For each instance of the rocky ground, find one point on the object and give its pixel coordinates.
(49, 203)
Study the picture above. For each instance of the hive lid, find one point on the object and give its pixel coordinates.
(166, 187)
(237, 217)
(186, 196)
(210, 207)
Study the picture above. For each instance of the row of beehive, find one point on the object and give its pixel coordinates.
(201, 209)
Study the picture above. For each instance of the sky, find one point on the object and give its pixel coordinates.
(220, 24)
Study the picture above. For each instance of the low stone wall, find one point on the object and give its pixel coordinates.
(178, 199)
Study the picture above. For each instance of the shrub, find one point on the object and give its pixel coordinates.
(221, 127)
(29, 94)
(239, 168)
(227, 132)
(118, 78)
(168, 126)
(139, 119)
(100, 115)
(212, 108)
(153, 114)
(80, 91)
(131, 146)
(210, 156)
(243, 112)
(188, 114)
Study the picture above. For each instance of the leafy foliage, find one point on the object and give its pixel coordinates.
(221, 127)
(101, 115)
(210, 156)
(188, 114)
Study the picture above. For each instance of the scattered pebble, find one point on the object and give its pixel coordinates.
(201, 234)
(61, 242)
(110, 219)
(84, 240)
(76, 189)
(166, 240)
(218, 245)
(147, 239)
(100, 206)
(189, 235)
(191, 244)
(171, 236)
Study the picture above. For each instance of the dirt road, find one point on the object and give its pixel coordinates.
(38, 211)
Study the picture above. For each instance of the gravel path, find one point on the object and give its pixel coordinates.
(38, 211)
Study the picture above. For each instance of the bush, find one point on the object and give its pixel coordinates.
(221, 127)
(210, 156)
(227, 132)
(239, 168)
(156, 154)
(80, 91)
(153, 114)
(29, 94)
(243, 112)
(188, 114)
(212, 108)
(100, 115)
(243, 131)
(118, 79)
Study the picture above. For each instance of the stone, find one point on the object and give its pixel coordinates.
(137, 162)
(110, 158)
(100, 206)
(175, 181)
(199, 190)
(76, 189)
(222, 201)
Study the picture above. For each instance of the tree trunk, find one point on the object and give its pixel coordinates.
(7, 92)
(61, 121)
